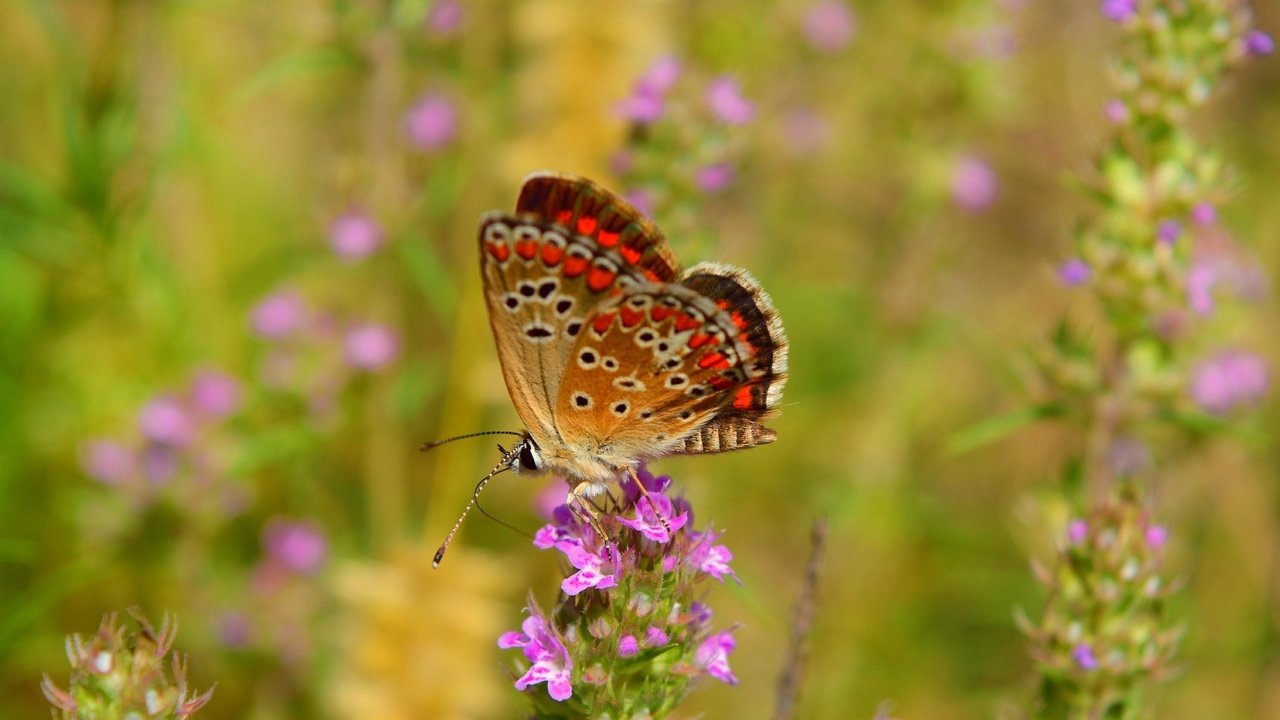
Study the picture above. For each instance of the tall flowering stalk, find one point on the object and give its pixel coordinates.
(628, 635)
(1157, 260)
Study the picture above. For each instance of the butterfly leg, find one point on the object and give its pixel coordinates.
(580, 501)
(645, 492)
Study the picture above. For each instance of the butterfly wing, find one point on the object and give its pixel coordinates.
(685, 368)
(585, 208)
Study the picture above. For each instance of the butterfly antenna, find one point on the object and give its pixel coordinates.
(503, 464)
(437, 443)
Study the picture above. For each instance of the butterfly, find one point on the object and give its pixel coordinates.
(613, 355)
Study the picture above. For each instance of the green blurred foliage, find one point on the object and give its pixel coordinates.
(164, 166)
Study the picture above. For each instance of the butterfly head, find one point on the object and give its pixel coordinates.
(526, 456)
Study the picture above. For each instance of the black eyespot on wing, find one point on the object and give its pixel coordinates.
(563, 306)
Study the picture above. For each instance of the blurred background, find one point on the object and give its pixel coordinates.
(238, 288)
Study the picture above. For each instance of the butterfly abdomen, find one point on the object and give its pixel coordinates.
(730, 433)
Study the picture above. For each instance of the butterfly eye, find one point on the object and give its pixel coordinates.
(528, 459)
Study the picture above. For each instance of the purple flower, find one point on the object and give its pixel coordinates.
(164, 420)
(714, 178)
(806, 132)
(1077, 532)
(641, 199)
(655, 637)
(713, 656)
(278, 315)
(1204, 214)
(299, 546)
(160, 463)
(1120, 10)
(973, 184)
(1228, 380)
(1200, 281)
(1258, 42)
(432, 122)
(1074, 272)
(108, 461)
(369, 347)
(655, 517)
(1083, 655)
(1156, 536)
(214, 394)
(550, 657)
(828, 26)
(1116, 111)
(709, 558)
(661, 76)
(642, 107)
(354, 235)
(628, 646)
(724, 95)
(1168, 231)
(445, 17)
(590, 567)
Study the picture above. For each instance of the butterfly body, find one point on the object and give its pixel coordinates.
(611, 354)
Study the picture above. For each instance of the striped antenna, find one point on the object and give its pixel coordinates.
(504, 464)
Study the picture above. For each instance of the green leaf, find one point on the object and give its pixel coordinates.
(992, 429)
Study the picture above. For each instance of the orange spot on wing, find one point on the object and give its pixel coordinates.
(499, 251)
(660, 313)
(631, 254)
(602, 322)
(738, 320)
(599, 278)
(631, 317)
(698, 340)
(551, 254)
(742, 400)
(609, 239)
(713, 360)
(586, 225)
(575, 266)
(651, 274)
(527, 249)
(684, 322)
(720, 382)
(563, 216)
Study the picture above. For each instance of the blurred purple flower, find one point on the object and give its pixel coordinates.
(829, 26)
(164, 420)
(1229, 379)
(1204, 214)
(1168, 231)
(108, 461)
(1200, 280)
(973, 184)
(655, 637)
(714, 178)
(1077, 531)
(1120, 10)
(641, 199)
(724, 95)
(1128, 456)
(1258, 42)
(661, 76)
(235, 629)
(278, 315)
(806, 131)
(354, 235)
(369, 347)
(1116, 111)
(1083, 655)
(1156, 536)
(160, 463)
(713, 656)
(299, 546)
(550, 657)
(628, 646)
(1074, 272)
(432, 122)
(214, 394)
(642, 107)
(445, 17)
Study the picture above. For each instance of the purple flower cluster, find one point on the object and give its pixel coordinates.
(176, 433)
(648, 98)
(1230, 379)
(629, 596)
